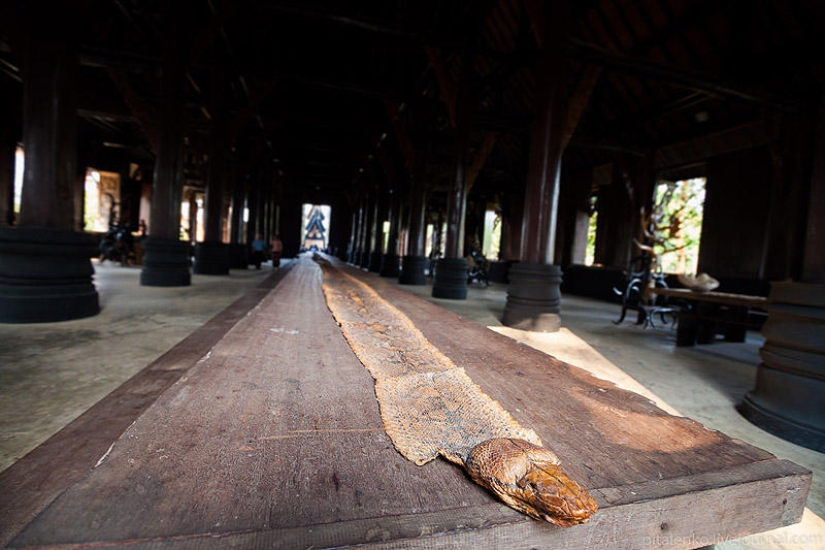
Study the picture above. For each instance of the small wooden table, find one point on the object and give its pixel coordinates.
(713, 312)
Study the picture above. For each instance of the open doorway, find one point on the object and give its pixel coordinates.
(315, 227)
(677, 218)
(102, 208)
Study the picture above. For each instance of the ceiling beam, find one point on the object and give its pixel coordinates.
(146, 117)
(370, 25)
(647, 68)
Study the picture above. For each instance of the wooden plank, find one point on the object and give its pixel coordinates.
(34, 481)
(667, 523)
(275, 440)
(727, 298)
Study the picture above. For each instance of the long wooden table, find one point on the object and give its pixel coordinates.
(712, 312)
(273, 439)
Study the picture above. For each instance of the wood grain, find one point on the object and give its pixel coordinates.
(274, 440)
(34, 481)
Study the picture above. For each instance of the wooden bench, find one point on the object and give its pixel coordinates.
(711, 313)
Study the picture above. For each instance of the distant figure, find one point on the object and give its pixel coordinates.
(277, 248)
(258, 247)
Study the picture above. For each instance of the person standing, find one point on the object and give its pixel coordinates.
(277, 248)
(258, 247)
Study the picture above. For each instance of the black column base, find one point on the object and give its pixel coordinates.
(533, 298)
(46, 275)
(389, 265)
(238, 256)
(412, 270)
(165, 263)
(211, 258)
(450, 279)
(790, 382)
(364, 260)
(374, 262)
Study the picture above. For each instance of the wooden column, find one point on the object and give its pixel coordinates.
(790, 382)
(379, 208)
(367, 229)
(533, 298)
(357, 237)
(414, 262)
(390, 260)
(166, 258)
(252, 202)
(451, 271)
(8, 144)
(212, 255)
(45, 268)
(353, 231)
(238, 257)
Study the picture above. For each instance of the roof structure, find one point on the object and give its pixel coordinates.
(318, 87)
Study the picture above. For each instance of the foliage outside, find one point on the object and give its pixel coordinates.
(678, 224)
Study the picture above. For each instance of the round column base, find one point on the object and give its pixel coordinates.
(46, 275)
(165, 263)
(412, 270)
(238, 256)
(211, 258)
(790, 382)
(389, 265)
(374, 262)
(450, 279)
(533, 298)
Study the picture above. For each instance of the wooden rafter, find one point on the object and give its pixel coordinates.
(256, 99)
(578, 102)
(404, 141)
(445, 83)
(480, 159)
(139, 108)
(207, 35)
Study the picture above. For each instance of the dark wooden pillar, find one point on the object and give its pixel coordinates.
(45, 267)
(166, 258)
(338, 223)
(414, 263)
(533, 297)
(451, 271)
(8, 145)
(379, 209)
(790, 382)
(575, 203)
(238, 256)
(390, 259)
(367, 230)
(212, 255)
(355, 255)
(353, 231)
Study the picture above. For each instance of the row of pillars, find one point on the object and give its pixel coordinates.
(45, 260)
(533, 298)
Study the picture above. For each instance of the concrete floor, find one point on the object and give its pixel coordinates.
(51, 373)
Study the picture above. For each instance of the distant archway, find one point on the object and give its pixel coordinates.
(315, 227)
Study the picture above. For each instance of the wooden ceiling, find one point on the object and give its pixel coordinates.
(320, 87)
